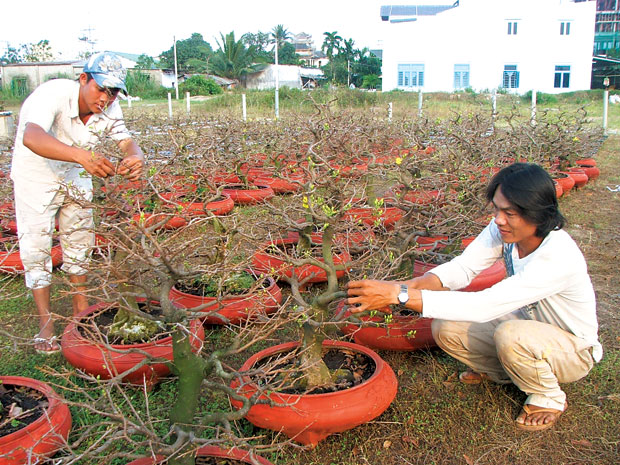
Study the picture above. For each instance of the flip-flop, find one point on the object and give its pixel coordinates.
(51, 342)
(544, 426)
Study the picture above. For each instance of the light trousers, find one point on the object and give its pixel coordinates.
(535, 356)
(35, 232)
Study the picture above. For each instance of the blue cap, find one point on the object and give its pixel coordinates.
(107, 70)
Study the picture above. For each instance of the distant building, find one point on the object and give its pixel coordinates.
(607, 26)
(295, 77)
(516, 45)
(304, 47)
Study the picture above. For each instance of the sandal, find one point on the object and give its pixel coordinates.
(472, 377)
(52, 346)
(527, 410)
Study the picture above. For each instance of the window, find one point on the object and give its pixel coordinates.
(461, 76)
(562, 77)
(565, 28)
(410, 75)
(512, 28)
(511, 77)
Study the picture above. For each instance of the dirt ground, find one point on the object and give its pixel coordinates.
(437, 420)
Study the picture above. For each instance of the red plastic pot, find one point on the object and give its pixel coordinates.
(235, 309)
(579, 176)
(98, 360)
(565, 181)
(384, 216)
(558, 189)
(287, 184)
(211, 451)
(310, 418)
(11, 262)
(403, 333)
(242, 195)
(585, 161)
(591, 171)
(264, 262)
(41, 438)
(218, 207)
(487, 278)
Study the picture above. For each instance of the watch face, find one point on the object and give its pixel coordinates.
(403, 296)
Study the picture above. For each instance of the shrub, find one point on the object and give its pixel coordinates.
(141, 85)
(541, 97)
(199, 85)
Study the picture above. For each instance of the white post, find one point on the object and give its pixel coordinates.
(390, 111)
(420, 99)
(533, 117)
(277, 83)
(605, 109)
(187, 101)
(243, 107)
(169, 105)
(494, 100)
(176, 73)
(129, 101)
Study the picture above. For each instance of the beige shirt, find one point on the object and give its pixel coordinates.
(54, 107)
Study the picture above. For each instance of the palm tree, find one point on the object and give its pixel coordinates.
(233, 59)
(280, 34)
(331, 43)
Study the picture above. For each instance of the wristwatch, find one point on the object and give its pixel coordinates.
(403, 295)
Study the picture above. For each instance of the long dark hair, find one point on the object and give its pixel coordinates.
(530, 189)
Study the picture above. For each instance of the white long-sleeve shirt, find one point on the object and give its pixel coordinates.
(554, 277)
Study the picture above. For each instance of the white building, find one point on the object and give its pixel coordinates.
(518, 45)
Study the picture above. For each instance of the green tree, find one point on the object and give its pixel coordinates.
(199, 85)
(145, 62)
(233, 59)
(287, 55)
(41, 51)
(331, 44)
(193, 54)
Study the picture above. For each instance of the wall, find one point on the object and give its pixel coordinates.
(36, 73)
(475, 33)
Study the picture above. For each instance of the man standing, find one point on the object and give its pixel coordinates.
(53, 161)
(538, 327)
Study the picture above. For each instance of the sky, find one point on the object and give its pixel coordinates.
(139, 26)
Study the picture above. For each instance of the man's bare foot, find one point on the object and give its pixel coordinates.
(534, 418)
(45, 341)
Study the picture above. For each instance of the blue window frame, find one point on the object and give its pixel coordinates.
(410, 75)
(461, 76)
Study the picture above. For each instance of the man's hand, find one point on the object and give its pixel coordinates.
(371, 294)
(96, 164)
(131, 167)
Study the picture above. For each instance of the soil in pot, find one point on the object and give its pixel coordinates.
(21, 406)
(351, 369)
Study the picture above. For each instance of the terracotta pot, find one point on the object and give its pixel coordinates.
(345, 240)
(310, 418)
(565, 181)
(487, 278)
(41, 438)
(264, 262)
(235, 309)
(211, 451)
(384, 216)
(580, 177)
(404, 333)
(11, 262)
(242, 195)
(98, 360)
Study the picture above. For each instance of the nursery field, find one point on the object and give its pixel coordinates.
(432, 170)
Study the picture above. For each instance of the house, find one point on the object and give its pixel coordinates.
(291, 76)
(516, 45)
(304, 47)
(23, 78)
(607, 26)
